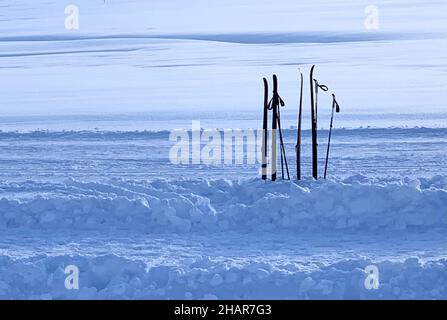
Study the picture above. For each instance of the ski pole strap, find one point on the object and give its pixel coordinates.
(321, 86)
(281, 102)
(278, 98)
(335, 104)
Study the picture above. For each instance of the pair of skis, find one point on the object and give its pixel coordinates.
(274, 105)
(314, 88)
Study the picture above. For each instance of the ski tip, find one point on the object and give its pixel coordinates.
(275, 82)
(312, 72)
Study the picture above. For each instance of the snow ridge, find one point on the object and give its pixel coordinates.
(114, 277)
(205, 205)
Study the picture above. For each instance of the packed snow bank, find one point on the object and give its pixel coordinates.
(201, 205)
(110, 276)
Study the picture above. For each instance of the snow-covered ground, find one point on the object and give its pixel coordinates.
(215, 238)
(85, 177)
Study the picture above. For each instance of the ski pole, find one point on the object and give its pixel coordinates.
(280, 150)
(314, 106)
(280, 143)
(278, 103)
(322, 87)
(337, 109)
(283, 149)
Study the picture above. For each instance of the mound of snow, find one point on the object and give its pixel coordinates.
(111, 277)
(201, 205)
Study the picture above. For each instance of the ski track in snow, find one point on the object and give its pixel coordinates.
(417, 152)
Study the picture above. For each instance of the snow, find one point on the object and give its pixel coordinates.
(202, 238)
(113, 277)
(203, 205)
(143, 57)
(85, 178)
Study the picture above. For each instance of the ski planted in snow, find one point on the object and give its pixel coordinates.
(274, 107)
(264, 130)
(298, 140)
(314, 87)
(276, 104)
(314, 126)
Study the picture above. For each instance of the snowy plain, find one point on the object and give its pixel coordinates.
(85, 177)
